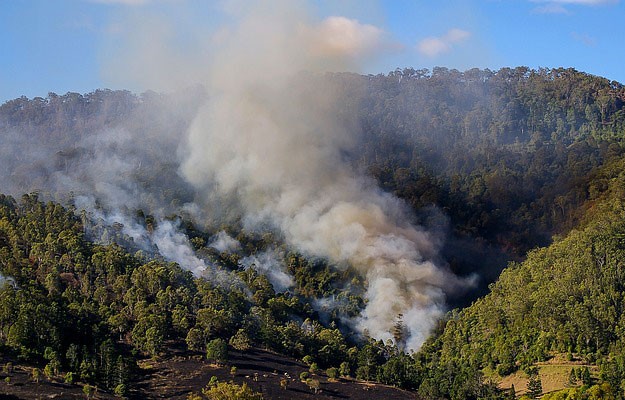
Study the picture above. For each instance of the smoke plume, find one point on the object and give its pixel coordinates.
(271, 137)
(268, 263)
(269, 145)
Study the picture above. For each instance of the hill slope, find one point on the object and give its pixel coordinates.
(566, 298)
(491, 163)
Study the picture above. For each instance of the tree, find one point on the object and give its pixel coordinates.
(36, 374)
(586, 377)
(314, 368)
(240, 341)
(195, 339)
(332, 373)
(88, 390)
(344, 369)
(400, 332)
(69, 378)
(217, 351)
(120, 390)
(572, 378)
(313, 384)
(534, 384)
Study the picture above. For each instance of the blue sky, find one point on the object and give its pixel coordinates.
(66, 45)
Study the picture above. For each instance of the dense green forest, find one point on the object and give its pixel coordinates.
(513, 166)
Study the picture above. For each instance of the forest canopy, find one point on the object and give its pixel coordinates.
(515, 165)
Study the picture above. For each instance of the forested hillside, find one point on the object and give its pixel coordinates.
(564, 299)
(113, 257)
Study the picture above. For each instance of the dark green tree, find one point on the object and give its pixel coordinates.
(217, 351)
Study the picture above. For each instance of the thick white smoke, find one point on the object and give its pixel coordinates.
(268, 263)
(166, 239)
(271, 138)
(225, 243)
(269, 144)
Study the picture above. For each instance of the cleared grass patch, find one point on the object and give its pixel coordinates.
(554, 375)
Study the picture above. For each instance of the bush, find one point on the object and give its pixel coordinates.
(8, 368)
(304, 375)
(313, 384)
(332, 373)
(344, 369)
(88, 390)
(314, 368)
(69, 378)
(120, 390)
(223, 390)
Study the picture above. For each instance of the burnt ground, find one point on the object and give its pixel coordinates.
(179, 373)
(22, 386)
(175, 376)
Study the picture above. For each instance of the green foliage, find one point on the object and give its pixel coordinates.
(69, 378)
(534, 384)
(314, 368)
(240, 341)
(7, 368)
(585, 376)
(120, 390)
(332, 373)
(196, 340)
(564, 298)
(88, 390)
(35, 375)
(595, 392)
(313, 384)
(230, 391)
(344, 369)
(512, 156)
(217, 351)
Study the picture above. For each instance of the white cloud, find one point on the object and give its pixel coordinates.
(343, 36)
(435, 46)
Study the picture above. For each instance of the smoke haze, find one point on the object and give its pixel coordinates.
(270, 137)
(267, 146)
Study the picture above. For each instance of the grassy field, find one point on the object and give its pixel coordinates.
(554, 375)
